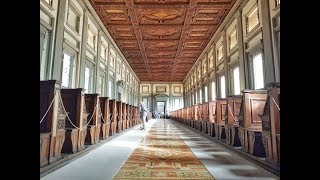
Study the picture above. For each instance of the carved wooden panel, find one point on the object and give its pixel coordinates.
(151, 33)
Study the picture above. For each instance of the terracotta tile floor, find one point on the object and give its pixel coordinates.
(162, 154)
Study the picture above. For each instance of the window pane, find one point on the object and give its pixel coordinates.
(222, 87)
(66, 71)
(236, 80)
(258, 71)
(176, 104)
(86, 79)
(213, 90)
(110, 85)
(196, 102)
(206, 94)
(192, 100)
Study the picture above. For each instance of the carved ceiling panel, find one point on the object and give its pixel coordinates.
(162, 39)
(160, 16)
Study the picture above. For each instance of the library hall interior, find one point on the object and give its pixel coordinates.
(160, 89)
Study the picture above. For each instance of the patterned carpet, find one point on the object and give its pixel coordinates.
(162, 155)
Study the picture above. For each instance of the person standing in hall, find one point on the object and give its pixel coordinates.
(143, 115)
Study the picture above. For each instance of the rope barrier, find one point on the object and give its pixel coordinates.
(90, 118)
(45, 114)
(275, 103)
(101, 115)
(60, 98)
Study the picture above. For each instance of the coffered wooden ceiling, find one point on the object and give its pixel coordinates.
(162, 39)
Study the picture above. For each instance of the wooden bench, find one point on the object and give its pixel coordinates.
(135, 115)
(187, 119)
(52, 127)
(271, 124)
(191, 115)
(250, 125)
(205, 117)
(113, 116)
(130, 116)
(221, 125)
(124, 116)
(199, 118)
(93, 128)
(234, 103)
(195, 116)
(105, 126)
(73, 100)
(119, 116)
(212, 118)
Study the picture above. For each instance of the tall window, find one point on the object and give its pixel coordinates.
(205, 94)
(44, 51)
(200, 96)
(196, 100)
(213, 90)
(67, 71)
(236, 80)
(88, 79)
(192, 99)
(258, 71)
(222, 87)
(176, 104)
(110, 88)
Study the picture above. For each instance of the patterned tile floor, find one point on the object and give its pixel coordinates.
(166, 149)
(162, 154)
